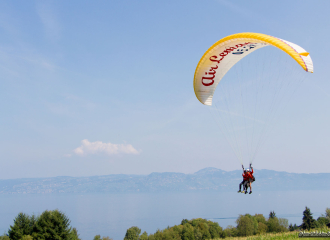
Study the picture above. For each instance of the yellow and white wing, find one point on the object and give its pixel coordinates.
(225, 53)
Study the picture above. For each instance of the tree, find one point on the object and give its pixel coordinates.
(97, 237)
(308, 220)
(327, 213)
(215, 230)
(187, 232)
(144, 236)
(23, 225)
(260, 218)
(74, 234)
(184, 221)
(284, 224)
(246, 225)
(322, 222)
(4, 237)
(132, 233)
(230, 231)
(273, 225)
(272, 214)
(262, 228)
(293, 227)
(26, 237)
(52, 225)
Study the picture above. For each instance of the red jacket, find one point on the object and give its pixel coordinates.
(246, 176)
(250, 174)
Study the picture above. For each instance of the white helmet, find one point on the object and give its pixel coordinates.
(248, 170)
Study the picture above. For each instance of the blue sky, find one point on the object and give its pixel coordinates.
(106, 87)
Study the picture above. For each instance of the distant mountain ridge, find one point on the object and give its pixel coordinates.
(207, 179)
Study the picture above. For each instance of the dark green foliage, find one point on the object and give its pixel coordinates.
(74, 234)
(132, 233)
(27, 237)
(195, 229)
(200, 229)
(308, 220)
(215, 230)
(293, 227)
(262, 228)
(167, 234)
(97, 237)
(187, 231)
(230, 231)
(260, 218)
(327, 213)
(49, 225)
(262, 223)
(272, 214)
(52, 225)
(144, 236)
(322, 221)
(23, 225)
(246, 225)
(184, 221)
(277, 225)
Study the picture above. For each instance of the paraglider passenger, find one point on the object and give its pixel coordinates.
(245, 180)
(251, 178)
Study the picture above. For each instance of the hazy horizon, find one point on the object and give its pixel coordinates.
(146, 174)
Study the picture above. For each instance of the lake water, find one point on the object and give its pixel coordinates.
(112, 214)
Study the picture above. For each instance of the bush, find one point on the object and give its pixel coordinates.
(230, 231)
(97, 237)
(132, 233)
(246, 225)
(262, 228)
(273, 225)
(260, 218)
(322, 222)
(195, 229)
(293, 227)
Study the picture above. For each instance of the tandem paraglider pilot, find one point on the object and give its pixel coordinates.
(248, 179)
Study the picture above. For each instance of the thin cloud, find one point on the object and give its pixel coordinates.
(49, 20)
(88, 147)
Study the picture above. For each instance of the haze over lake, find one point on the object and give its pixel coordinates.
(112, 214)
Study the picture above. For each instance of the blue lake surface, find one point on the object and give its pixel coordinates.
(112, 214)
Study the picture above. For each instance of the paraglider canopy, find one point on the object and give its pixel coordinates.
(225, 53)
(252, 93)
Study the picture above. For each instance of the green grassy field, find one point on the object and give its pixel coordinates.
(268, 236)
(278, 236)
